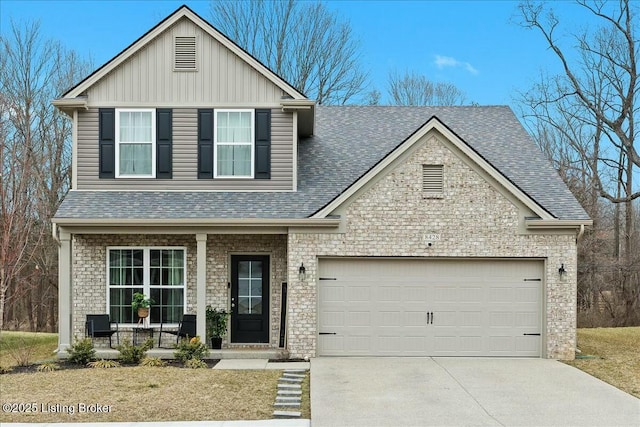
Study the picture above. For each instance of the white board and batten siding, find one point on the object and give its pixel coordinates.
(185, 156)
(417, 307)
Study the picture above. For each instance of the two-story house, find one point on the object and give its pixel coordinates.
(200, 177)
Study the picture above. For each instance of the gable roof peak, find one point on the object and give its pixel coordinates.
(183, 11)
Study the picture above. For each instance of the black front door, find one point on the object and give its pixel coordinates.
(250, 298)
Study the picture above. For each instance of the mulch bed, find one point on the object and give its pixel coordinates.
(65, 365)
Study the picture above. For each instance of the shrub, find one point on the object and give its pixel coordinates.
(82, 352)
(103, 364)
(132, 354)
(48, 367)
(153, 361)
(190, 349)
(195, 364)
(22, 349)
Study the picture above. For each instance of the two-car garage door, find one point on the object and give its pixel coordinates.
(417, 307)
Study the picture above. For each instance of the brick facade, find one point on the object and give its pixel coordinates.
(390, 218)
(474, 220)
(89, 277)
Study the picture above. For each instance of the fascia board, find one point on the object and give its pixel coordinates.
(434, 124)
(183, 11)
(557, 223)
(198, 222)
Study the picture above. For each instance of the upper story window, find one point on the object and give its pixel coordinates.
(135, 143)
(233, 143)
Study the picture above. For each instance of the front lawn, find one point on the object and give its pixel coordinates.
(128, 393)
(616, 356)
(139, 394)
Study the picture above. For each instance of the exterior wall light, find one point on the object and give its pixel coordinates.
(302, 273)
(561, 270)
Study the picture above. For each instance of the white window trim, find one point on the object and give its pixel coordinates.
(215, 142)
(146, 276)
(153, 141)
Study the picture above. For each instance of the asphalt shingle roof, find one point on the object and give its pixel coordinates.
(348, 141)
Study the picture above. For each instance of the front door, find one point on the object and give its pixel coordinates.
(250, 299)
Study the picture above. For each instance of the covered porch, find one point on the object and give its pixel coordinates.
(223, 268)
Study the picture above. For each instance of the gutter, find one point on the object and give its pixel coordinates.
(558, 224)
(200, 222)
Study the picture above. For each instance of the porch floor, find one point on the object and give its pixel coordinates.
(226, 353)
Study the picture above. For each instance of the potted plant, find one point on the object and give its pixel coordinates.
(216, 326)
(141, 305)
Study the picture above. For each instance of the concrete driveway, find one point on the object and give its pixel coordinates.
(463, 392)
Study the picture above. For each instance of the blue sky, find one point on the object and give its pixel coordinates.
(475, 45)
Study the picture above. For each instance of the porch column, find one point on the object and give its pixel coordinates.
(201, 285)
(64, 292)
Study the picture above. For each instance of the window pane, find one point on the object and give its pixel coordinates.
(243, 269)
(135, 159)
(135, 126)
(154, 256)
(243, 287)
(256, 287)
(169, 305)
(256, 305)
(120, 305)
(256, 269)
(243, 305)
(225, 160)
(242, 160)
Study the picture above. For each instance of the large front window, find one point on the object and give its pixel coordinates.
(233, 140)
(159, 273)
(135, 143)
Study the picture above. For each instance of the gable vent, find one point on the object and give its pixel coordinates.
(184, 53)
(432, 179)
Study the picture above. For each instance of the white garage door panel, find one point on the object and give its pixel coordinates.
(395, 307)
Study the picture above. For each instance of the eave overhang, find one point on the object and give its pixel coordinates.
(306, 114)
(69, 105)
(198, 222)
(556, 224)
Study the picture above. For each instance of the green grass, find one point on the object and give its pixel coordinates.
(24, 348)
(617, 356)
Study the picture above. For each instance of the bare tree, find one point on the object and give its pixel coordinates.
(303, 42)
(590, 110)
(416, 89)
(36, 161)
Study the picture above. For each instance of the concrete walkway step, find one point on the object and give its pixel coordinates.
(287, 414)
(289, 392)
(288, 398)
(286, 405)
(291, 380)
(288, 375)
(289, 387)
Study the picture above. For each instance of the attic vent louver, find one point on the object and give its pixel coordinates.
(184, 53)
(432, 179)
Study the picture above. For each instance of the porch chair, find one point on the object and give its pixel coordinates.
(99, 326)
(186, 328)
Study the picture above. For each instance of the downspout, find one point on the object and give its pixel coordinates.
(580, 233)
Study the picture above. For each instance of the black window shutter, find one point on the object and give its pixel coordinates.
(107, 143)
(164, 143)
(263, 144)
(205, 143)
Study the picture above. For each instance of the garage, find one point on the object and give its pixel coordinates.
(420, 307)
